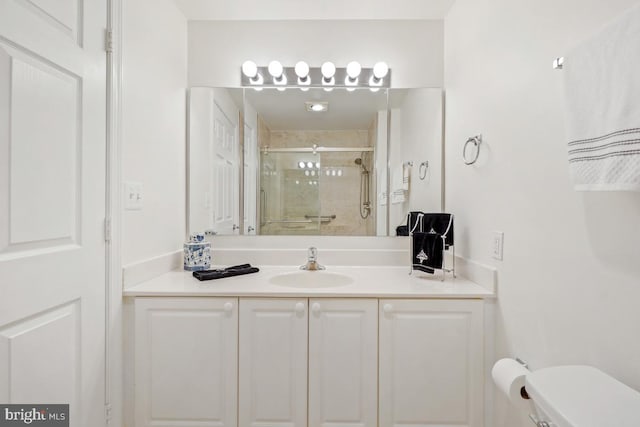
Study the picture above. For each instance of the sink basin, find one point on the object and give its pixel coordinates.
(311, 279)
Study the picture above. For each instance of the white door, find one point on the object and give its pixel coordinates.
(343, 363)
(186, 365)
(226, 166)
(273, 363)
(52, 205)
(431, 358)
(250, 175)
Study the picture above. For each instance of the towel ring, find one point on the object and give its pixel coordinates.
(424, 167)
(476, 140)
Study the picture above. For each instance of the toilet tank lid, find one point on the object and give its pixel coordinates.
(583, 396)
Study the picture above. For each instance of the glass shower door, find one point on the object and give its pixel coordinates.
(289, 193)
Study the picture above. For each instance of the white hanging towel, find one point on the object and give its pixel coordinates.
(406, 173)
(398, 193)
(602, 89)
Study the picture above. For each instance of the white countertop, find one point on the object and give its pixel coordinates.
(371, 282)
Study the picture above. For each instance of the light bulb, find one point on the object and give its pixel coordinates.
(380, 70)
(309, 165)
(328, 70)
(353, 69)
(275, 69)
(317, 165)
(339, 172)
(301, 165)
(306, 173)
(302, 70)
(317, 107)
(249, 69)
(351, 89)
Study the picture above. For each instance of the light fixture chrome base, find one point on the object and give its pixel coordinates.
(316, 80)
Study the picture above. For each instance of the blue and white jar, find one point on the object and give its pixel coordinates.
(197, 253)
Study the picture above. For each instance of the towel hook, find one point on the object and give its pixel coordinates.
(476, 140)
(424, 167)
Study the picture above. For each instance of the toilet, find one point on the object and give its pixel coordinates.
(581, 396)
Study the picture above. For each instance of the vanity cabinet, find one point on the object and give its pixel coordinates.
(273, 362)
(186, 362)
(431, 361)
(318, 362)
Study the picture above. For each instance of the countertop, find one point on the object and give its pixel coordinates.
(368, 282)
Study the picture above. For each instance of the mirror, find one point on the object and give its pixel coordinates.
(264, 162)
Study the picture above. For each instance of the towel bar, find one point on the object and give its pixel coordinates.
(476, 141)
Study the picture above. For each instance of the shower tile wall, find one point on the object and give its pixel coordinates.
(336, 191)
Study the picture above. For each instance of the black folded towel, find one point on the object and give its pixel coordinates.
(439, 223)
(414, 222)
(427, 251)
(235, 270)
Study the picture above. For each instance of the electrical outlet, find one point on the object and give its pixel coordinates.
(497, 243)
(133, 196)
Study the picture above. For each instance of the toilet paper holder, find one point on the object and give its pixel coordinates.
(523, 391)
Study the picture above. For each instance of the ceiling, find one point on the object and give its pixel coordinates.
(287, 110)
(313, 9)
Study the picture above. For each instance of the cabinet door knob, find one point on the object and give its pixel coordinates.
(228, 307)
(387, 308)
(316, 307)
(299, 308)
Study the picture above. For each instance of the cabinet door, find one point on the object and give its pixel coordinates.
(343, 363)
(273, 363)
(431, 358)
(186, 362)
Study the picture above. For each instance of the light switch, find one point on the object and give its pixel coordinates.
(133, 196)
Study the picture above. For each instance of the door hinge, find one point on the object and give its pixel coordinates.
(107, 413)
(107, 229)
(108, 41)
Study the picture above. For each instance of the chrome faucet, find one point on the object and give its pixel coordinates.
(312, 260)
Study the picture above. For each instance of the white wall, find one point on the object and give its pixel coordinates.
(153, 125)
(416, 135)
(570, 280)
(413, 49)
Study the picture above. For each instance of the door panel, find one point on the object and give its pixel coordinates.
(431, 363)
(273, 363)
(52, 205)
(343, 363)
(186, 361)
(43, 183)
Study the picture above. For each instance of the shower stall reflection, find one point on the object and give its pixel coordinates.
(323, 193)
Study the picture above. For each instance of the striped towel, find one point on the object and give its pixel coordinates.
(602, 91)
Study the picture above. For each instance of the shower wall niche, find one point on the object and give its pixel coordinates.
(326, 191)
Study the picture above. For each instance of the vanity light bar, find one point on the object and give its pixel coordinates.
(366, 78)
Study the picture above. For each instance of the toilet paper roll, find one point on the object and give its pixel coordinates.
(509, 376)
